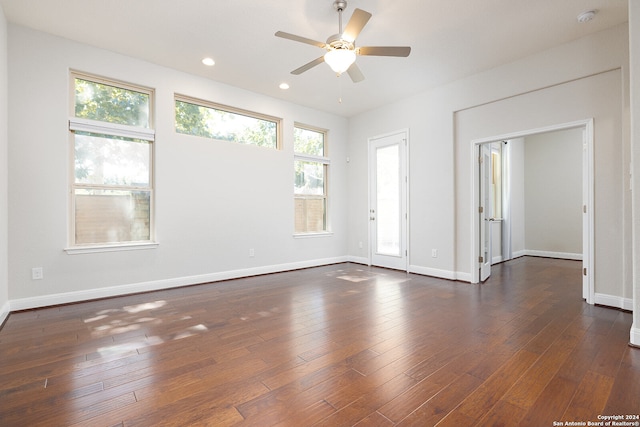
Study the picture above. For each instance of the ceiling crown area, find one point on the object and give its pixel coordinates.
(448, 40)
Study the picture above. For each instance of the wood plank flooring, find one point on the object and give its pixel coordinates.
(339, 345)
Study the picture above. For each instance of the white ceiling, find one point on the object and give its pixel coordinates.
(450, 39)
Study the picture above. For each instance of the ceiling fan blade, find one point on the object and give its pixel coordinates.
(355, 73)
(357, 22)
(384, 50)
(300, 39)
(308, 66)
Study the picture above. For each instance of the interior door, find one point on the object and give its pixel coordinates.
(388, 201)
(484, 216)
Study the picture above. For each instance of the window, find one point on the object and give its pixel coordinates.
(209, 120)
(310, 180)
(112, 141)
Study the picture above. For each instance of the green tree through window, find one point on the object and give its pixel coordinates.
(98, 101)
(310, 180)
(113, 154)
(226, 125)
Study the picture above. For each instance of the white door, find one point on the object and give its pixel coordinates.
(388, 201)
(484, 216)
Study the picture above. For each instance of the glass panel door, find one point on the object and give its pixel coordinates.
(388, 201)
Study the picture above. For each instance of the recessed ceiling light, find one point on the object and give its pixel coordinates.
(208, 61)
(284, 86)
(587, 16)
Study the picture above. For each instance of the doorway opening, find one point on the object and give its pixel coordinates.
(559, 198)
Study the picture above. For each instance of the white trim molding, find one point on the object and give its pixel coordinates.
(634, 336)
(613, 301)
(156, 285)
(4, 312)
(433, 272)
(464, 277)
(550, 254)
(110, 248)
(95, 126)
(359, 260)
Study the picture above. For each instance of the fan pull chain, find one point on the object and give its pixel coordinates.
(339, 90)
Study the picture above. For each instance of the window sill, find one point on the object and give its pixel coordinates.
(110, 248)
(312, 235)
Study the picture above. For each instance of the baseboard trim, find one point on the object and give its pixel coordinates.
(634, 336)
(463, 277)
(358, 260)
(433, 272)
(613, 301)
(4, 312)
(518, 254)
(156, 285)
(550, 254)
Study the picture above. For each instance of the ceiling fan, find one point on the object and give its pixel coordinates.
(341, 48)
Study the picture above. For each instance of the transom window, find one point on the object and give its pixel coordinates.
(210, 120)
(311, 167)
(112, 145)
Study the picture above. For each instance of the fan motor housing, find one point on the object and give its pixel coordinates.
(337, 42)
(340, 4)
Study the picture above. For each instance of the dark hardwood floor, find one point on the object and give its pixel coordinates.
(338, 345)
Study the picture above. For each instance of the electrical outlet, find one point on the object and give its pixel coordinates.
(36, 273)
(252, 253)
(434, 253)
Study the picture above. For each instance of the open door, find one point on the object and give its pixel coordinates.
(388, 201)
(484, 217)
(588, 276)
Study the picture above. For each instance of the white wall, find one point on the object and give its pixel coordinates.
(574, 81)
(553, 192)
(4, 186)
(214, 200)
(546, 196)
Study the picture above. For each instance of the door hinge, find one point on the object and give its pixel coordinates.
(584, 208)
(480, 209)
(584, 271)
(480, 259)
(480, 159)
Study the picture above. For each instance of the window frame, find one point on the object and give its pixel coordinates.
(326, 162)
(232, 110)
(79, 124)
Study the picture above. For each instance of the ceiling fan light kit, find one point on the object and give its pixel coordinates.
(340, 59)
(341, 49)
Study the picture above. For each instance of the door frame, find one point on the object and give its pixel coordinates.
(404, 134)
(588, 291)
